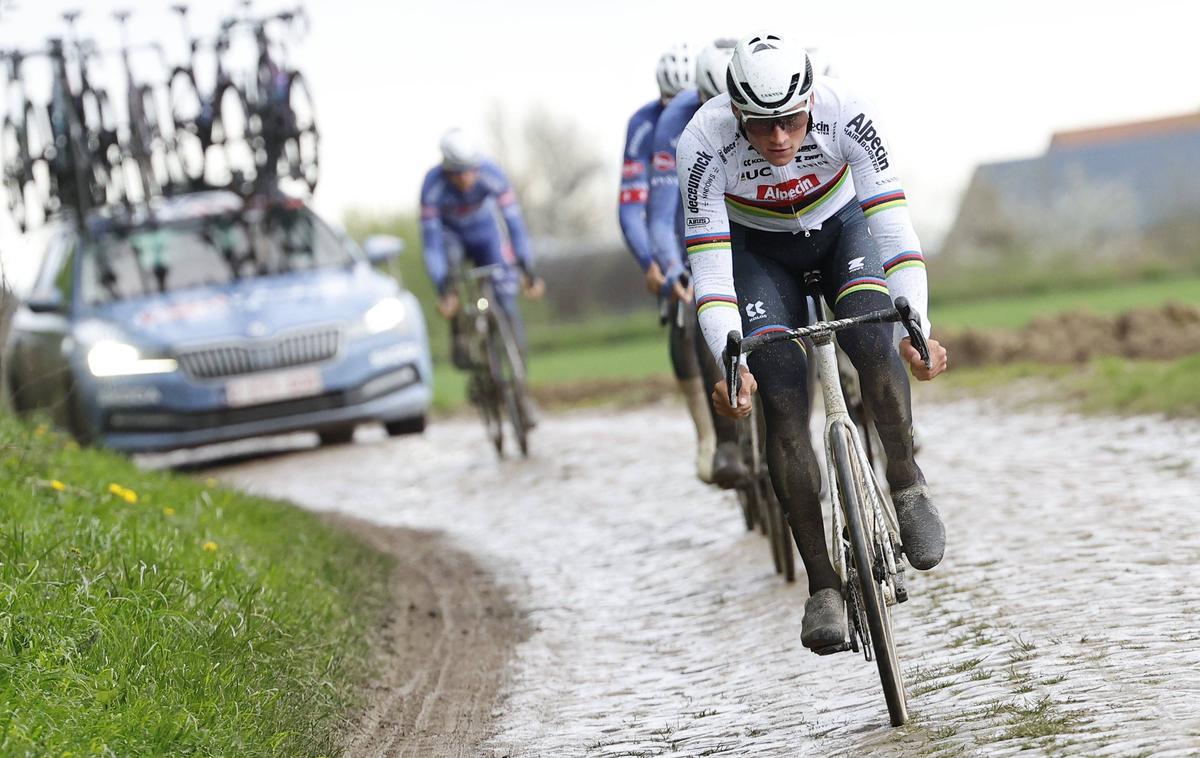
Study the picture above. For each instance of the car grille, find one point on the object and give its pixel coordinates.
(247, 357)
(149, 420)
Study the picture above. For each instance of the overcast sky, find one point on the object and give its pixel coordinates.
(957, 83)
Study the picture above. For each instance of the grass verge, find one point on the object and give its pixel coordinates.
(1106, 385)
(150, 614)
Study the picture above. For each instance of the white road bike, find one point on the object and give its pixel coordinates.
(865, 536)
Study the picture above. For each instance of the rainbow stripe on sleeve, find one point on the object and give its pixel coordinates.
(715, 301)
(907, 259)
(704, 243)
(883, 202)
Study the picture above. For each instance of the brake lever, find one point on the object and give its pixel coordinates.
(732, 359)
(912, 324)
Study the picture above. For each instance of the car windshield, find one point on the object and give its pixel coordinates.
(212, 250)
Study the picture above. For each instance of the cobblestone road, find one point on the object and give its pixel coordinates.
(1064, 619)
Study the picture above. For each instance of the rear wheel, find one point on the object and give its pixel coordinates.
(782, 545)
(12, 155)
(301, 139)
(233, 136)
(867, 555)
(192, 127)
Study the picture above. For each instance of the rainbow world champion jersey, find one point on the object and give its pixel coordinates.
(843, 158)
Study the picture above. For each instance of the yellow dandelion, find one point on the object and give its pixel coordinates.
(168, 511)
(124, 493)
(210, 482)
(210, 546)
(57, 486)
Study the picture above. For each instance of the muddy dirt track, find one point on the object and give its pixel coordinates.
(1064, 620)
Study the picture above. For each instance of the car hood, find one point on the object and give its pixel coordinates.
(253, 308)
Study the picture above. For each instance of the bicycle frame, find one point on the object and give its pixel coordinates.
(880, 513)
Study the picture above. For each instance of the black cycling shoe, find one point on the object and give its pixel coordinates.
(824, 620)
(921, 529)
(728, 469)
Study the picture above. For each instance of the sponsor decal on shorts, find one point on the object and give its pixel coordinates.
(632, 169)
(663, 161)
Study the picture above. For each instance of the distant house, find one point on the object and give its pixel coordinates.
(1095, 191)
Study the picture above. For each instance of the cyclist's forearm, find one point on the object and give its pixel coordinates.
(632, 216)
(434, 253)
(519, 237)
(716, 300)
(903, 261)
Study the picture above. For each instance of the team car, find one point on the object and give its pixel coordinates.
(206, 318)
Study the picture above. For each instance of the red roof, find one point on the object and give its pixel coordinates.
(1121, 132)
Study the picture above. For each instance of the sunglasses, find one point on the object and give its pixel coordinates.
(764, 127)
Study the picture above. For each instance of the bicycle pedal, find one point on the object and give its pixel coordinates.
(841, 647)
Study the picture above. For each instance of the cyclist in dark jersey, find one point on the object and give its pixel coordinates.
(469, 200)
(675, 74)
(664, 214)
(785, 174)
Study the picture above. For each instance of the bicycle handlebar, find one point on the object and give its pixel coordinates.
(736, 346)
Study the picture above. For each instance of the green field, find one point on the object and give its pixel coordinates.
(635, 346)
(150, 614)
(1015, 312)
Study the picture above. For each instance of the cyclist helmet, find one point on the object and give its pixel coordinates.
(711, 66)
(768, 76)
(459, 151)
(675, 70)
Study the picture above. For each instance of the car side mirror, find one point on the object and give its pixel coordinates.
(46, 302)
(381, 248)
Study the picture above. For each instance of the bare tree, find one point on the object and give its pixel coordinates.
(556, 171)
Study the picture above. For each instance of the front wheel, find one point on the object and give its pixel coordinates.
(853, 485)
(511, 380)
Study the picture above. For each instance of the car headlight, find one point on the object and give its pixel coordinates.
(388, 313)
(112, 358)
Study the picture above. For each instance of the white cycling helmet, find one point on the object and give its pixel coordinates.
(675, 70)
(768, 76)
(711, 67)
(459, 151)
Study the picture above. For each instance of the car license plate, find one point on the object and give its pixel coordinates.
(269, 388)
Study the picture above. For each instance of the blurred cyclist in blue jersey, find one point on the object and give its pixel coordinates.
(675, 74)
(468, 202)
(664, 213)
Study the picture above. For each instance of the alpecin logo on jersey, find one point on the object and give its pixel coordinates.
(792, 189)
(663, 161)
(862, 129)
(695, 173)
(632, 169)
(820, 127)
